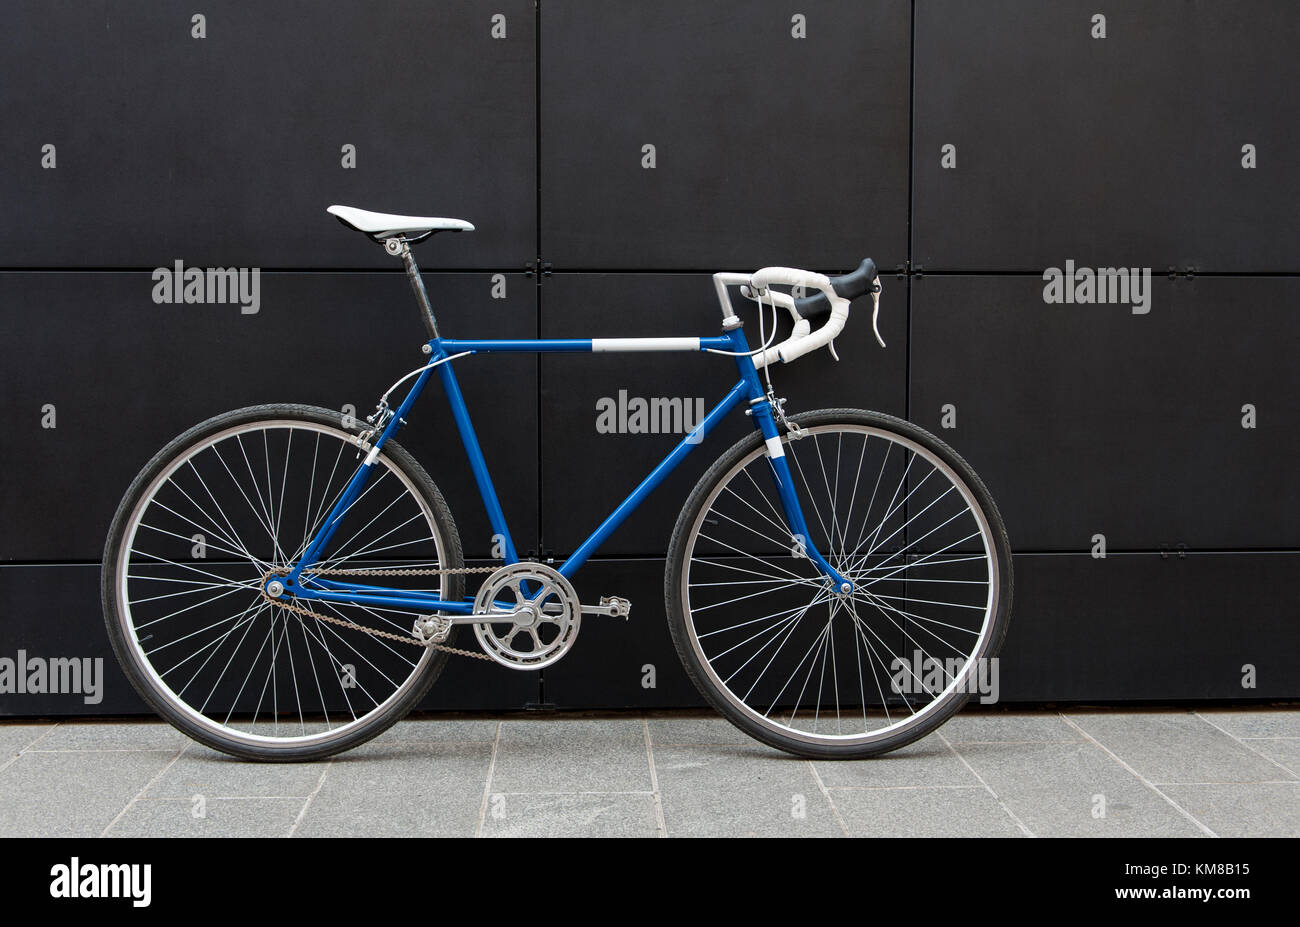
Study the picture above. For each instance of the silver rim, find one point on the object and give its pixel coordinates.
(192, 614)
(824, 669)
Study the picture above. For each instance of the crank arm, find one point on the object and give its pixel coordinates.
(609, 607)
(492, 616)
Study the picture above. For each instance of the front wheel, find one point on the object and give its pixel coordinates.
(786, 657)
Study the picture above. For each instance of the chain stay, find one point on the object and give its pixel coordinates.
(376, 632)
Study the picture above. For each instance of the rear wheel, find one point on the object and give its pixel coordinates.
(198, 531)
(778, 650)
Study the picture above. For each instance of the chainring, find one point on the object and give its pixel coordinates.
(548, 626)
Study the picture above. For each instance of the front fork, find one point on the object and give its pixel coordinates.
(762, 413)
(761, 409)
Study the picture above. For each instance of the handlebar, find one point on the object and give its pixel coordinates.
(850, 286)
(832, 303)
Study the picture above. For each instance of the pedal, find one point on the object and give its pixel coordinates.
(611, 606)
(431, 629)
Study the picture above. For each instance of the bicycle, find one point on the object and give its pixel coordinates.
(283, 583)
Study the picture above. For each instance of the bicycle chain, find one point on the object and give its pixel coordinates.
(376, 632)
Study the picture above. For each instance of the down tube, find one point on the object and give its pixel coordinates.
(651, 482)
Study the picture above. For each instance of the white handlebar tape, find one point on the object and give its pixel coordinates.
(774, 354)
(790, 276)
(801, 341)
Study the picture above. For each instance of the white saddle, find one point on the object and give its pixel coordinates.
(380, 225)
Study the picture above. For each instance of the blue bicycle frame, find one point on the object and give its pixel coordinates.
(441, 352)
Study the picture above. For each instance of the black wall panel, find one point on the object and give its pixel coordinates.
(476, 685)
(1139, 626)
(1088, 419)
(1124, 149)
(125, 376)
(586, 473)
(53, 612)
(227, 149)
(769, 149)
(622, 664)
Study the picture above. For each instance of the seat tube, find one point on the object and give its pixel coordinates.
(459, 412)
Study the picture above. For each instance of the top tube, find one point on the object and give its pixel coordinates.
(581, 345)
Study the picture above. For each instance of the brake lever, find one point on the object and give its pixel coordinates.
(875, 314)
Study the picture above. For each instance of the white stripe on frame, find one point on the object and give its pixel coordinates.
(604, 345)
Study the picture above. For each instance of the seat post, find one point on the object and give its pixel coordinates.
(400, 247)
